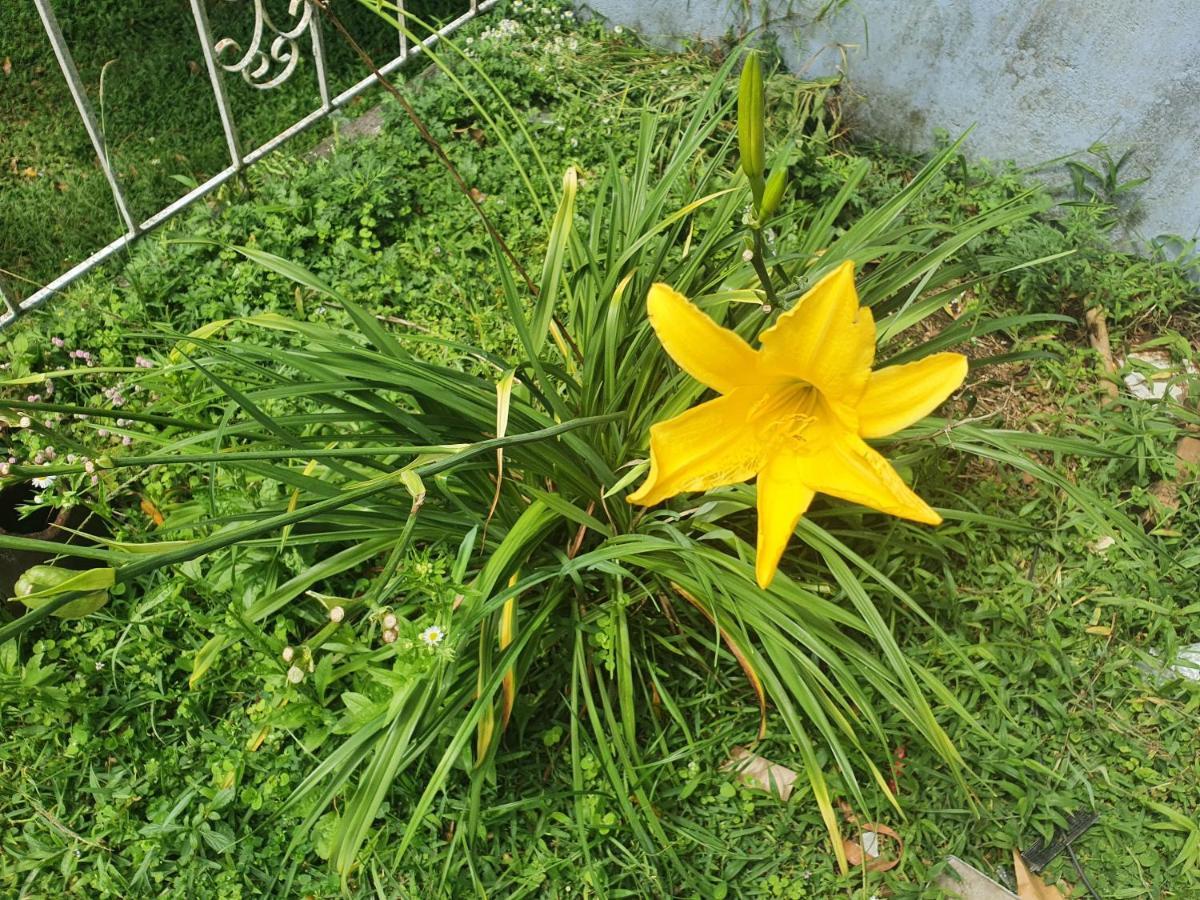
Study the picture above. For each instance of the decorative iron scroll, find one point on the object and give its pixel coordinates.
(267, 68)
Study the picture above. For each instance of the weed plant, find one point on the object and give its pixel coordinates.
(159, 745)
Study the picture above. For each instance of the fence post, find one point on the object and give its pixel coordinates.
(79, 94)
(204, 32)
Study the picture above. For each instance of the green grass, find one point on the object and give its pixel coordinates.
(128, 783)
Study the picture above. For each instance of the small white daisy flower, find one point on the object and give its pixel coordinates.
(433, 635)
(99, 665)
(43, 482)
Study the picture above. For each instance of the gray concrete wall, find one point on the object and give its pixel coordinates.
(1039, 79)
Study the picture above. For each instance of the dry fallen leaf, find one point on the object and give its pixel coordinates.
(756, 772)
(29, 172)
(152, 511)
(6, 66)
(1029, 886)
(1187, 453)
(873, 851)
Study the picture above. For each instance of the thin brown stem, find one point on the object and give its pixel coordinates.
(429, 139)
(445, 160)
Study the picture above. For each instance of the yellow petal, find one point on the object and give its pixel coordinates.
(849, 469)
(708, 446)
(713, 355)
(782, 500)
(900, 395)
(826, 339)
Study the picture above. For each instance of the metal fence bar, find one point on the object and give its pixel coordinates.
(204, 31)
(318, 45)
(79, 94)
(402, 22)
(341, 100)
(13, 311)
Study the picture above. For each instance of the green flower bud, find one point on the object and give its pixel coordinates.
(773, 192)
(752, 124)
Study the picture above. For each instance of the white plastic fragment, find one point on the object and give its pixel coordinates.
(1169, 377)
(1186, 665)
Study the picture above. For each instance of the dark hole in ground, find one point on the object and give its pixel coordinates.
(11, 519)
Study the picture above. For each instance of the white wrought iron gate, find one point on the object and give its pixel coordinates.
(265, 61)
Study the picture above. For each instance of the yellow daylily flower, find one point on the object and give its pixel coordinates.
(794, 412)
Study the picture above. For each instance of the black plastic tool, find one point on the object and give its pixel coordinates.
(1039, 854)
